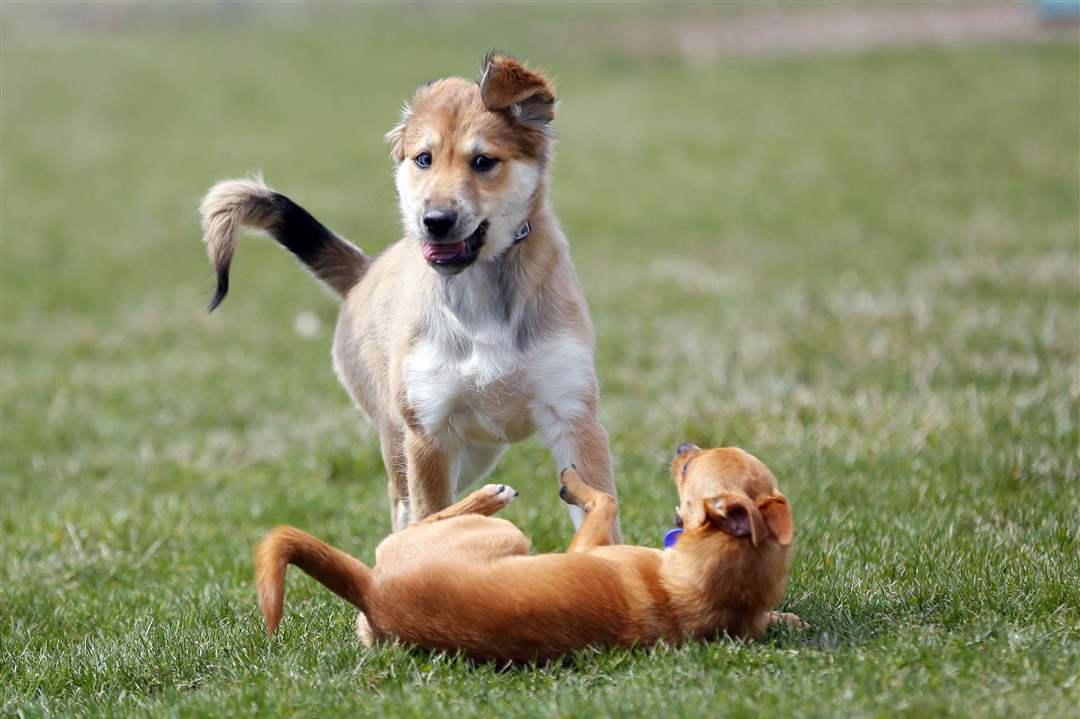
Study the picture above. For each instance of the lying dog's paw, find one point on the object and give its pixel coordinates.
(788, 619)
(572, 489)
(364, 632)
(503, 494)
(487, 500)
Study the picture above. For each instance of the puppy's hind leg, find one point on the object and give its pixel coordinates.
(601, 512)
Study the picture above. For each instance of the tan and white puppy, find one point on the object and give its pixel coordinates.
(461, 580)
(471, 332)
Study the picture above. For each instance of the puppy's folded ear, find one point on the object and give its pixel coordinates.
(506, 85)
(396, 137)
(777, 515)
(737, 516)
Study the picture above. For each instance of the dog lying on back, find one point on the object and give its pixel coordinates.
(463, 580)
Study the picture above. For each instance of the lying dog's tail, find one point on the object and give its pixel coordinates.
(346, 576)
(232, 204)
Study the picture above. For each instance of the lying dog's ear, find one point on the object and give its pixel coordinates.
(506, 85)
(777, 515)
(737, 516)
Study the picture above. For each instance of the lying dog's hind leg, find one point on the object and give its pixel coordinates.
(601, 512)
(486, 501)
(787, 619)
(585, 443)
(364, 631)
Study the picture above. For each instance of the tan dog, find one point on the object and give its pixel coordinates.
(471, 332)
(463, 580)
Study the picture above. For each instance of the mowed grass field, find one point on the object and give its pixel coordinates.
(862, 268)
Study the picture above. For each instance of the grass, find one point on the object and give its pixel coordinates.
(862, 268)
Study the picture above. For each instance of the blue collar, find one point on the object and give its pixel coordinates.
(522, 232)
(671, 537)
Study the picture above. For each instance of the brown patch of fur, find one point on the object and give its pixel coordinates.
(524, 96)
(455, 107)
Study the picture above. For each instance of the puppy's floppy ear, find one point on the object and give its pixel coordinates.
(506, 85)
(736, 516)
(777, 515)
(396, 137)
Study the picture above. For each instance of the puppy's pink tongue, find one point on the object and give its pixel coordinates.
(441, 252)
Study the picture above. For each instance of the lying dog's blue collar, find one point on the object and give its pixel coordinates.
(522, 232)
(671, 538)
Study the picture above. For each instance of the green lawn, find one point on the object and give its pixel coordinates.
(864, 269)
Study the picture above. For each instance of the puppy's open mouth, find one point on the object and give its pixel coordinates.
(452, 257)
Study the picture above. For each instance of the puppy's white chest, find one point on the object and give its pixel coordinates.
(464, 389)
(481, 391)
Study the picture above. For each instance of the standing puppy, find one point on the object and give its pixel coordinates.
(471, 332)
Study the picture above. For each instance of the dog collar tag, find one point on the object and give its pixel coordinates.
(671, 538)
(522, 232)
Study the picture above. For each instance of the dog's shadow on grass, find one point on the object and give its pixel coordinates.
(590, 661)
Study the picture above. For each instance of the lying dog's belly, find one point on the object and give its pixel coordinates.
(518, 608)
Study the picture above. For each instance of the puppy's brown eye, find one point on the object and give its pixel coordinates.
(423, 159)
(678, 519)
(483, 163)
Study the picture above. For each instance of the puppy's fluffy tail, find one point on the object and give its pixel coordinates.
(232, 204)
(346, 576)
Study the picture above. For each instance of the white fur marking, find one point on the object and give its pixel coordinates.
(513, 207)
(433, 387)
(562, 379)
(404, 516)
(561, 382)
(473, 463)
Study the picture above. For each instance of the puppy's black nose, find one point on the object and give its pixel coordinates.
(440, 222)
(685, 446)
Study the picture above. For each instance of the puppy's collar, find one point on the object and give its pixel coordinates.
(522, 232)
